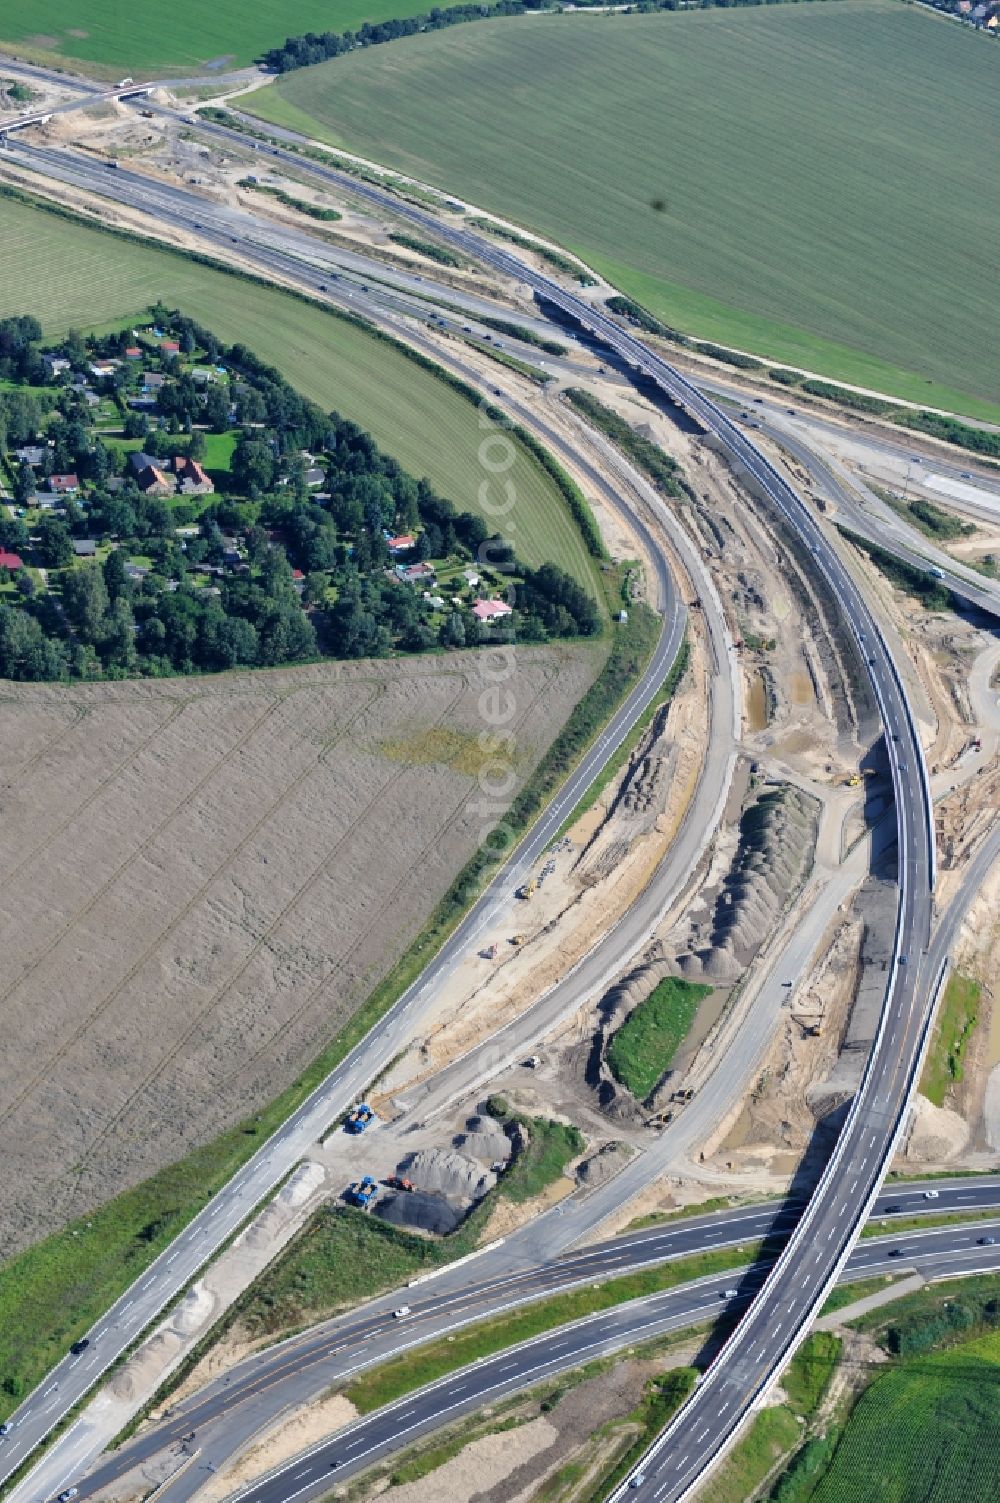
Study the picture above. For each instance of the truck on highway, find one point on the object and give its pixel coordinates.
(359, 1118)
(362, 1193)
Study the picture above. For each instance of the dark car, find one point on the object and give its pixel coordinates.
(895, 1252)
(80, 1346)
(893, 1210)
(986, 1242)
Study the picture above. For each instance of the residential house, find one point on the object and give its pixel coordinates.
(136, 572)
(148, 476)
(133, 352)
(490, 610)
(103, 368)
(315, 476)
(191, 478)
(64, 485)
(415, 573)
(471, 578)
(170, 347)
(401, 544)
(55, 365)
(32, 454)
(153, 380)
(10, 560)
(85, 547)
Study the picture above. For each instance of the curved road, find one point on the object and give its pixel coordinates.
(253, 1394)
(68, 1382)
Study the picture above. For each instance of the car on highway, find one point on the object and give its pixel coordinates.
(322, 287)
(637, 1480)
(70, 1492)
(985, 1241)
(895, 1252)
(6, 1427)
(966, 475)
(729, 1294)
(80, 1346)
(931, 1194)
(401, 1313)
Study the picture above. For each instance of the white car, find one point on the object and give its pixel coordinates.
(401, 1313)
(931, 1194)
(729, 1294)
(638, 1479)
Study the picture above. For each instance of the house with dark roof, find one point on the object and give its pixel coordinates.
(148, 476)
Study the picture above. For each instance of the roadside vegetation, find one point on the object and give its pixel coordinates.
(300, 205)
(778, 1428)
(827, 281)
(932, 593)
(956, 1023)
(427, 248)
(390, 1380)
(933, 521)
(641, 1051)
(664, 472)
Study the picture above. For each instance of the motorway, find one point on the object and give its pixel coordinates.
(779, 1316)
(172, 1271)
(257, 1391)
(777, 1319)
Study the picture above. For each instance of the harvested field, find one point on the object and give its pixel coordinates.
(201, 880)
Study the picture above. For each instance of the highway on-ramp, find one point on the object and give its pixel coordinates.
(946, 1253)
(257, 1391)
(780, 1314)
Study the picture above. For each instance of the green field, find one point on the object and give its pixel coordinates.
(928, 1432)
(140, 36)
(825, 202)
(68, 274)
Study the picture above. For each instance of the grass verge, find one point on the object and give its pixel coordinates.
(425, 1364)
(919, 583)
(664, 472)
(956, 1022)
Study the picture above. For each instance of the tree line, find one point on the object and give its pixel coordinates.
(318, 47)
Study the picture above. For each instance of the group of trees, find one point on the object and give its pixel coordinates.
(313, 573)
(318, 47)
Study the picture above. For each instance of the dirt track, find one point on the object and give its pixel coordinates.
(201, 879)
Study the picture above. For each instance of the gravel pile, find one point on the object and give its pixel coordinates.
(419, 1211)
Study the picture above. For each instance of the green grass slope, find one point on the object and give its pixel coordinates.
(68, 274)
(139, 36)
(824, 170)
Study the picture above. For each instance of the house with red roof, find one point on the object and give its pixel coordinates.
(191, 478)
(490, 610)
(64, 485)
(401, 544)
(10, 561)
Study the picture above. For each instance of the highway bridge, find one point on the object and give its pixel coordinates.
(780, 1315)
